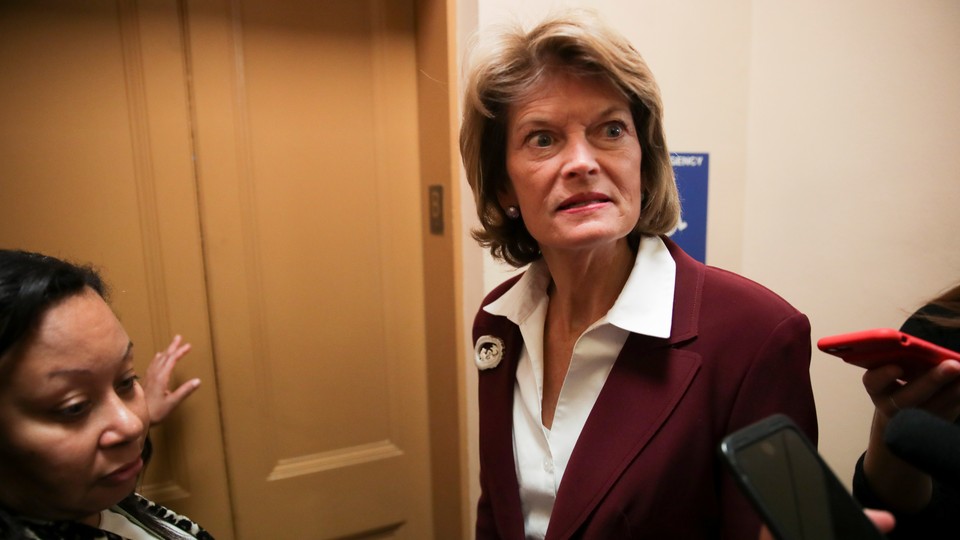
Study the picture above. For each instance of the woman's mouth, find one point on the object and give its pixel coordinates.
(582, 201)
(125, 473)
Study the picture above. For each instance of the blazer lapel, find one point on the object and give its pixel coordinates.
(641, 391)
(647, 381)
(496, 432)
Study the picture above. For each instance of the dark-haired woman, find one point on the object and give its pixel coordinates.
(924, 506)
(73, 416)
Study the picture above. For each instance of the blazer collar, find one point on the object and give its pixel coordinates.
(687, 294)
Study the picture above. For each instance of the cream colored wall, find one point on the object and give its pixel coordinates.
(853, 175)
(472, 264)
(834, 149)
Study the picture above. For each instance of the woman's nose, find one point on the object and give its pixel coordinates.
(581, 159)
(123, 424)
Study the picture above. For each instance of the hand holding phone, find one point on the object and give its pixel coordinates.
(795, 492)
(879, 346)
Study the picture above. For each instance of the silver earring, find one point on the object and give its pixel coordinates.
(513, 212)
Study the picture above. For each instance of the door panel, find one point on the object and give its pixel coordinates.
(306, 140)
(95, 166)
(246, 174)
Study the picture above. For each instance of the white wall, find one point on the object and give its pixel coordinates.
(833, 130)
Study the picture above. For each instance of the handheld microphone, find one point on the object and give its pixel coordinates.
(927, 442)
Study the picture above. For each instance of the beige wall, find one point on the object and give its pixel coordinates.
(834, 149)
(472, 264)
(853, 175)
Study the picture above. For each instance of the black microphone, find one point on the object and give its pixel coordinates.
(927, 442)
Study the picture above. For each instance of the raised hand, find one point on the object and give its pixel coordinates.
(160, 399)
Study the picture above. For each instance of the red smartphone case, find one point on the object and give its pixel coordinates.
(878, 346)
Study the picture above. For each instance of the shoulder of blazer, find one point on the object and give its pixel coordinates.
(702, 290)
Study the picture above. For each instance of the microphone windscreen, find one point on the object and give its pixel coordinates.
(927, 442)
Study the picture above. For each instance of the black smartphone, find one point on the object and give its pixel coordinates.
(790, 485)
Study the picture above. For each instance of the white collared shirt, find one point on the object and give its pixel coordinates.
(644, 306)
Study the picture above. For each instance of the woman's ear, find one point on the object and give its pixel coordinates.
(506, 196)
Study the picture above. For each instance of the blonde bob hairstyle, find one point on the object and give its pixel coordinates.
(507, 67)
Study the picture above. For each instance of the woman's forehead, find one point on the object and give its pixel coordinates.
(559, 88)
(79, 329)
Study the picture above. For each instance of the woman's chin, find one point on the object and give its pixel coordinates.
(586, 241)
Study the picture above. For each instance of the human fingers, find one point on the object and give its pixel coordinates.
(924, 391)
(176, 349)
(945, 402)
(881, 383)
(161, 404)
(161, 400)
(165, 361)
(879, 379)
(881, 519)
(175, 397)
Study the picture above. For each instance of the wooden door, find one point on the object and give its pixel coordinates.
(306, 141)
(95, 166)
(246, 174)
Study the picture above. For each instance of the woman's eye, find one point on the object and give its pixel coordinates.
(127, 384)
(613, 130)
(74, 410)
(541, 140)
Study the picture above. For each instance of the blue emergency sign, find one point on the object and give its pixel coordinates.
(690, 234)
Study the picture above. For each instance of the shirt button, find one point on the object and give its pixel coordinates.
(548, 466)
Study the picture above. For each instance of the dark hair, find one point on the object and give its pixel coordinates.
(945, 310)
(32, 283)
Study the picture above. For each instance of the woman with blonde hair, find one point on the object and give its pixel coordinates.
(613, 366)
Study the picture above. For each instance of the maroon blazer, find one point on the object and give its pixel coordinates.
(646, 463)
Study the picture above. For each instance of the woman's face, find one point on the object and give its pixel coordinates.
(573, 158)
(73, 419)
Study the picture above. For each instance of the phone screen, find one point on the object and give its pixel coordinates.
(800, 498)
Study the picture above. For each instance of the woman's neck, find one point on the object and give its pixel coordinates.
(586, 284)
(92, 520)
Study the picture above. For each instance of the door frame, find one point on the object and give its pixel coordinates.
(437, 88)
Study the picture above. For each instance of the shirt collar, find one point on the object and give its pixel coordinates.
(644, 306)
(526, 294)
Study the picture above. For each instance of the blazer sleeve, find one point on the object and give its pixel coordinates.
(777, 381)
